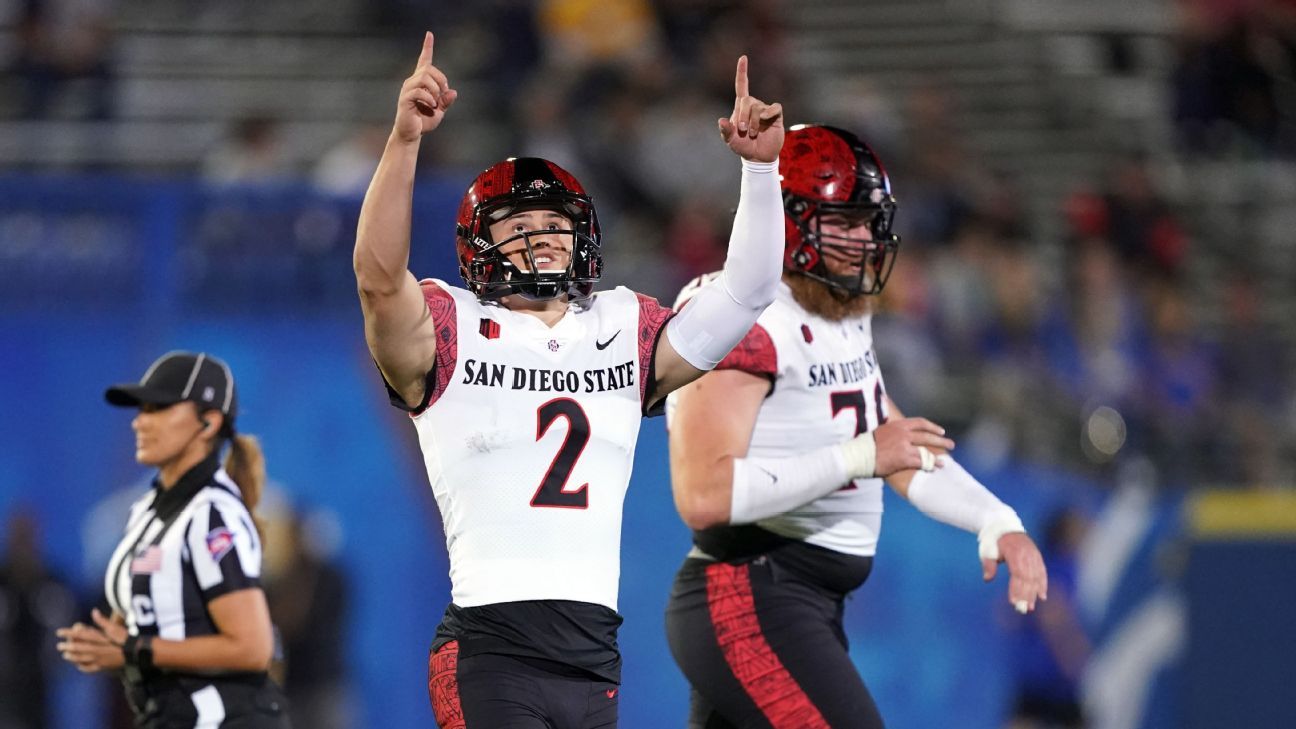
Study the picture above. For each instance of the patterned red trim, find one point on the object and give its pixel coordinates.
(652, 317)
(755, 354)
(442, 306)
(750, 657)
(443, 686)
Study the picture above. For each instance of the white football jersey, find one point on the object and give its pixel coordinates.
(528, 437)
(826, 388)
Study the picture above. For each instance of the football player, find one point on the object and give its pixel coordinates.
(785, 518)
(527, 389)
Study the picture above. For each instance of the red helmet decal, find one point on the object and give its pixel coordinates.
(495, 181)
(818, 164)
(568, 180)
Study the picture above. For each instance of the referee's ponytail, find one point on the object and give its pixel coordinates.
(246, 465)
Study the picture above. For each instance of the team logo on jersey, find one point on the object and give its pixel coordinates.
(553, 345)
(805, 332)
(147, 561)
(489, 328)
(219, 542)
(604, 345)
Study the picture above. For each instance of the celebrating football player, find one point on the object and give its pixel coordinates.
(527, 390)
(783, 493)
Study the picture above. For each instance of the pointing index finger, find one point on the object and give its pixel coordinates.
(740, 78)
(425, 56)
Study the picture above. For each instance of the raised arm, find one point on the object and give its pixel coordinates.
(398, 324)
(723, 311)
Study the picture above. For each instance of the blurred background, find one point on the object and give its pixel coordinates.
(1096, 293)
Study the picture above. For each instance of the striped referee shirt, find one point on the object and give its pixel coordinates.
(184, 547)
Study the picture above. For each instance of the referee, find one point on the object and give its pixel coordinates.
(190, 631)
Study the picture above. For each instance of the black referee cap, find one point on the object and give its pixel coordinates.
(179, 376)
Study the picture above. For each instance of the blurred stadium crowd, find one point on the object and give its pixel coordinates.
(1097, 269)
(1133, 303)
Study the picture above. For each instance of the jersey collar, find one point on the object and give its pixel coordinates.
(169, 502)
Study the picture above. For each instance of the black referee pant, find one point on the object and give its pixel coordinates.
(175, 701)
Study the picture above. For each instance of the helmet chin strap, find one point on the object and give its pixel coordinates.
(535, 295)
(848, 286)
(530, 288)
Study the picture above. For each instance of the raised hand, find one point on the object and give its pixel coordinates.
(754, 131)
(424, 98)
(1027, 577)
(906, 443)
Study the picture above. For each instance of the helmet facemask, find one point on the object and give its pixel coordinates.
(519, 185)
(491, 274)
(875, 257)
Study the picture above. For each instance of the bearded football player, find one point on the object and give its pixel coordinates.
(784, 490)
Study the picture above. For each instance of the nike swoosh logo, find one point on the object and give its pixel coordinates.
(773, 476)
(604, 345)
(611, 693)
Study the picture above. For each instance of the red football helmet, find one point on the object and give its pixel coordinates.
(829, 172)
(515, 185)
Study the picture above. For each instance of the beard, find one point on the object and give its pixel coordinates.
(821, 300)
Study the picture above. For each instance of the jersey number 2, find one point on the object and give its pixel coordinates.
(553, 490)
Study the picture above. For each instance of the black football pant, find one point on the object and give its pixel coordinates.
(490, 691)
(763, 649)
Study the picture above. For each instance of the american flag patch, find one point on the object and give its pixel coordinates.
(219, 542)
(147, 561)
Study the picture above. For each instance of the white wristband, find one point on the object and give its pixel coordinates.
(988, 538)
(860, 454)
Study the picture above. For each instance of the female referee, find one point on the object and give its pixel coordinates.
(190, 630)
